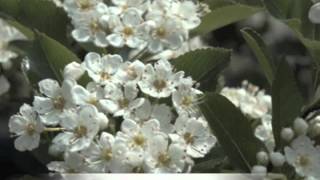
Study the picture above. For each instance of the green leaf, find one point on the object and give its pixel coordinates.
(24, 30)
(47, 57)
(278, 8)
(261, 51)
(224, 15)
(203, 65)
(41, 15)
(286, 101)
(233, 131)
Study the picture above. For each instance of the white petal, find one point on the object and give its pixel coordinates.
(42, 105)
(314, 13)
(4, 85)
(116, 40)
(26, 142)
(49, 87)
(81, 35)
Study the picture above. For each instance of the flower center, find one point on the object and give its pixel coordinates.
(159, 84)
(84, 4)
(303, 160)
(161, 32)
(30, 129)
(164, 159)
(139, 140)
(188, 138)
(107, 154)
(127, 31)
(105, 76)
(94, 26)
(131, 73)
(80, 131)
(123, 103)
(93, 101)
(58, 103)
(186, 101)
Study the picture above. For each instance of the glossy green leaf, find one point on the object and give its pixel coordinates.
(286, 101)
(233, 131)
(224, 15)
(261, 51)
(204, 65)
(41, 15)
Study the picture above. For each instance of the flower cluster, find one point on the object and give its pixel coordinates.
(132, 117)
(137, 24)
(7, 35)
(256, 105)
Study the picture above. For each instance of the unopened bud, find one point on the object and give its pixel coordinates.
(287, 134)
(277, 159)
(300, 126)
(262, 158)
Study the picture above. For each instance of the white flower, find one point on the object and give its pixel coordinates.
(165, 157)
(129, 30)
(89, 28)
(130, 71)
(123, 101)
(159, 81)
(187, 12)
(8, 34)
(264, 132)
(304, 156)
(123, 5)
(161, 112)
(102, 154)
(102, 69)
(135, 136)
(73, 163)
(249, 99)
(27, 126)
(80, 6)
(80, 128)
(90, 96)
(195, 136)
(56, 100)
(4, 85)
(185, 98)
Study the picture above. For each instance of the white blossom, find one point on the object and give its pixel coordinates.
(160, 81)
(4, 85)
(27, 127)
(304, 156)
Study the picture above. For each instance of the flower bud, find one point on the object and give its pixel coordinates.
(257, 169)
(262, 158)
(277, 159)
(300, 126)
(315, 129)
(314, 13)
(73, 71)
(287, 134)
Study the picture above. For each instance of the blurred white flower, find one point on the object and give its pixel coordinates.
(4, 85)
(27, 127)
(304, 156)
(73, 163)
(7, 35)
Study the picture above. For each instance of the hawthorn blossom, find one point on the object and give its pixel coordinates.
(57, 99)
(194, 134)
(160, 81)
(73, 163)
(80, 128)
(27, 127)
(304, 156)
(102, 69)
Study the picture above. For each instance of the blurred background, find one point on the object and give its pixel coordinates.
(243, 66)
